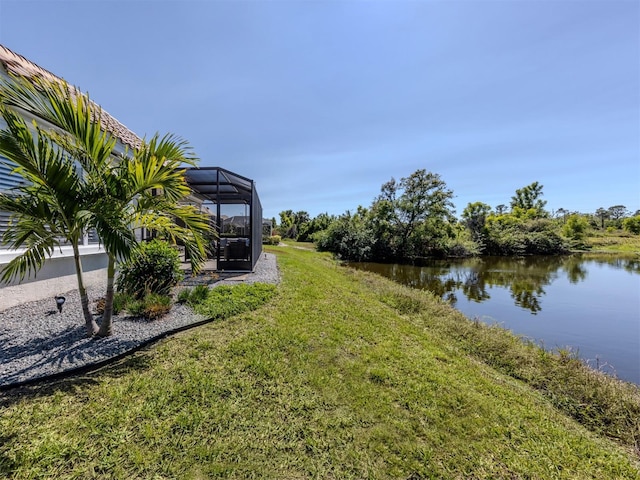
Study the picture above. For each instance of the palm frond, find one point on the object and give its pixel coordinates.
(154, 173)
(170, 147)
(64, 106)
(16, 141)
(48, 172)
(39, 250)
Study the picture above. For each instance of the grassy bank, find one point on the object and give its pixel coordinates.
(341, 375)
(614, 242)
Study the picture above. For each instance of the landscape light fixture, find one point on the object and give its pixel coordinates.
(59, 302)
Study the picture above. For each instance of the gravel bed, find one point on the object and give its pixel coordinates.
(36, 341)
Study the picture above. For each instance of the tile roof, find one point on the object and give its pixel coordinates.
(20, 66)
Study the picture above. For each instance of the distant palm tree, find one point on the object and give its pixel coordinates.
(75, 178)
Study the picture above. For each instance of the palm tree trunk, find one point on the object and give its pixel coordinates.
(90, 323)
(106, 324)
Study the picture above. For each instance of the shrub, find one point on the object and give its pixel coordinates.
(576, 227)
(184, 295)
(273, 240)
(152, 306)
(531, 237)
(198, 295)
(348, 237)
(544, 243)
(462, 248)
(120, 301)
(156, 306)
(154, 268)
(632, 224)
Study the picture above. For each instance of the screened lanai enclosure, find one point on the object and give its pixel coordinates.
(232, 202)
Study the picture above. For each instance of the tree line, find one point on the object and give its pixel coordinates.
(414, 218)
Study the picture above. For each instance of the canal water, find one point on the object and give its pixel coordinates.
(587, 303)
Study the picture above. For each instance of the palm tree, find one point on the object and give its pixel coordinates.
(145, 192)
(113, 194)
(48, 209)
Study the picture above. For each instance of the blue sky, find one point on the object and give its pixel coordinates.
(322, 102)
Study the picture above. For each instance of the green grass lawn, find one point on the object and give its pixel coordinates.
(341, 375)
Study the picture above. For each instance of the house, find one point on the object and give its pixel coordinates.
(215, 190)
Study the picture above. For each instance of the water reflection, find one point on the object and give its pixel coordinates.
(525, 278)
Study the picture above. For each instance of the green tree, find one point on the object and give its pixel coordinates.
(562, 213)
(528, 198)
(522, 232)
(632, 224)
(576, 227)
(602, 214)
(91, 187)
(292, 225)
(617, 213)
(348, 236)
(301, 217)
(313, 226)
(474, 217)
(418, 212)
(287, 224)
(145, 192)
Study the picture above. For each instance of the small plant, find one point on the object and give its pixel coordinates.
(135, 307)
(632, 225)
(120, 301)
(152, 306)
(566, 355)
(156, 306)
(193, 296)
(184, 295)
(155, 268)
(198, 295)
